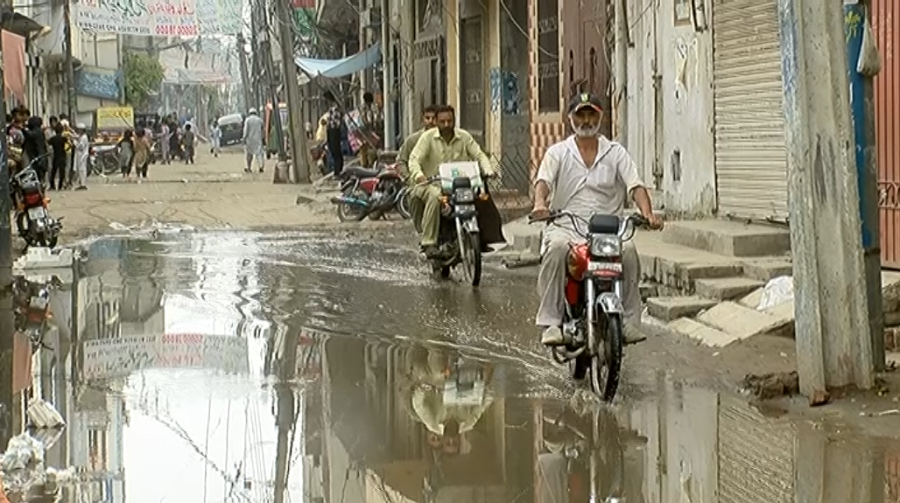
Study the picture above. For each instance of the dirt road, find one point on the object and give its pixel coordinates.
(214, 193)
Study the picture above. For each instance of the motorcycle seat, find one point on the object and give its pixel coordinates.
(360, 172)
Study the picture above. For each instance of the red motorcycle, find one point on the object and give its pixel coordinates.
(372, 192)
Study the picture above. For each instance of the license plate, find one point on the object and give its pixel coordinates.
(35, 213)
(605, 266)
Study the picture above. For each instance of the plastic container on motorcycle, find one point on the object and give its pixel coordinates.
(452, 170)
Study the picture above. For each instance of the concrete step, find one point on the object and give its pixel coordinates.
(732, 239)
(741, 322)
(765, 269)
(701, 333)
(678, 266)
(725, 288)
(671, 308)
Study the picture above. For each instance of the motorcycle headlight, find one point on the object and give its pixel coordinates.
(605, 245)
(464, 196)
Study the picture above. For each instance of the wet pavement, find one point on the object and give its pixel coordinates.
(211, 367)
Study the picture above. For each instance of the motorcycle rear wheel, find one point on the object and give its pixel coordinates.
(606, 362)
(348, 212)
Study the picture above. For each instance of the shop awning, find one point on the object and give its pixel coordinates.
(23, 25)
(335, 68)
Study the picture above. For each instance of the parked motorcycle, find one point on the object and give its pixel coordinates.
(32, 309)
(593, 325)
(459, 238)
(33, 220)
(103, 160)
(372, 193)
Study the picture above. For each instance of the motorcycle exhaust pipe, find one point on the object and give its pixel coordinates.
(348, 200)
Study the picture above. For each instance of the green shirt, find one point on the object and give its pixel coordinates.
(432, 150)
(406, 150)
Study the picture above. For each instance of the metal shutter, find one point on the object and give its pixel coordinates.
(751, 159)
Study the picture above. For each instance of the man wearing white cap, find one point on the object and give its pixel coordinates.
(253, 141)
(585, 174)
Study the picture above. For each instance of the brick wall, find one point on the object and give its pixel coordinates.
(546, 129)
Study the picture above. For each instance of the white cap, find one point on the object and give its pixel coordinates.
(252, 111)
(80, 125)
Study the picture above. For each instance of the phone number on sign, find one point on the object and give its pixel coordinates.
(173, 29)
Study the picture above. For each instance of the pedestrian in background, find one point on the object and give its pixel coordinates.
(126, 153)
(141, 153)
(253, 141)
(188, 141)
(333, 133)
(82, 151)
(164, 141)
(58, 143)
(215, 137)
(35, 146)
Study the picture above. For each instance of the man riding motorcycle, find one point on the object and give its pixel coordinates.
(585, 174)
(446, 143)
(448, 424)
(416, 207)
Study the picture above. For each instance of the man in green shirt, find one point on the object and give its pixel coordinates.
(446, 143)
(415, 207)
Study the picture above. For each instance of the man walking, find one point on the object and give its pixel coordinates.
(253, 141)
(333, 133)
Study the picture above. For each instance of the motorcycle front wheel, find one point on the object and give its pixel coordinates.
(403, 204)
(471, 258)
(606, 362)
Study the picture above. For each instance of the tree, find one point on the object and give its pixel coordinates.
(143, 76)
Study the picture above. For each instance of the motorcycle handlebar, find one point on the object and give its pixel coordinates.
(636, 219)
(438, 178)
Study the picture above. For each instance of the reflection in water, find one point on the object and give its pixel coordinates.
(230, 367)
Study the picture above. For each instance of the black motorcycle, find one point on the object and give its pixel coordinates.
(459, 237)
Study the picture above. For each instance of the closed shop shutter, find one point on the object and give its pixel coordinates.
(756, 456)
(751, 159)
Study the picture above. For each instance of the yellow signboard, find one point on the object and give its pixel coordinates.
(115, 118)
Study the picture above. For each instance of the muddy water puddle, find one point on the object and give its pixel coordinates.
(300, 367)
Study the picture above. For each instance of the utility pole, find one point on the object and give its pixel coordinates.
(390, 136)
(285, 419)
(7, 320)
(833, 336)
(620, 97)
(862, 103)
(255, 49)
(245, 76)
(266, 50)
(71, 99)
(299, 148)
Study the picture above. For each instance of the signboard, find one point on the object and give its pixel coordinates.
(97, 83)
(124, 355)
(177, 18)
(114, 118)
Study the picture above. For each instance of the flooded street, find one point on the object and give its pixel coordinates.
(300, 367)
